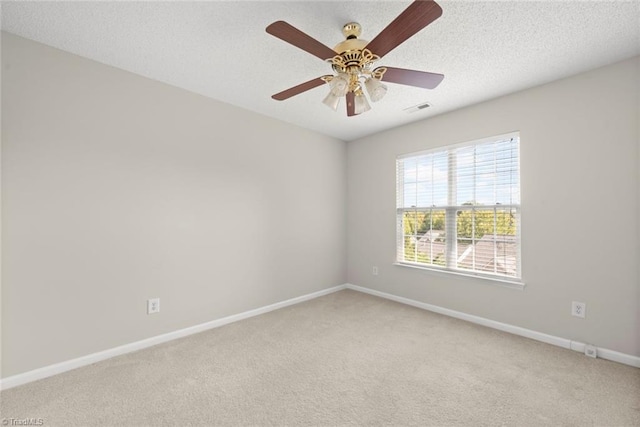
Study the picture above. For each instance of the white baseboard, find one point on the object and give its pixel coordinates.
(68, 365)
(616, 356)
(58, 368)
(603, 353)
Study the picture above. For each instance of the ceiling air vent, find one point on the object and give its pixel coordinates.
(417, 107)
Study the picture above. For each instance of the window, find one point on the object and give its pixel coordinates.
(458, 208)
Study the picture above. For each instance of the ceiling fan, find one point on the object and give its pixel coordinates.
(352, 60)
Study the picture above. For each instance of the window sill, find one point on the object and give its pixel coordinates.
(507, 283)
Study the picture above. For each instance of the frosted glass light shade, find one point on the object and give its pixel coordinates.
(361, 104)
(375, 89)
(331, 101)
(339, 85)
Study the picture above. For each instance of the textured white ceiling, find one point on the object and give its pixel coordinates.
(220, 49)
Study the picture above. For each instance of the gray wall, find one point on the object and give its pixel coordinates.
(116, 188)
(580, 208)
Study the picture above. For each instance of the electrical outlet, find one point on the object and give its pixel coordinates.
(153, 305)
(591, 350)
(375, 270)
(578, 309)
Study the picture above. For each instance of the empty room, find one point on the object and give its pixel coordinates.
(322, 213)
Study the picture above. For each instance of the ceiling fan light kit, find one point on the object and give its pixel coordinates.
(375, 89)
(331, 101)
(352, 59)
(361, 104)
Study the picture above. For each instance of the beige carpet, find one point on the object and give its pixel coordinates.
(343, 359)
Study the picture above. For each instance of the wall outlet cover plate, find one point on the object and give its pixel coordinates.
(153, 305)
(578, 309)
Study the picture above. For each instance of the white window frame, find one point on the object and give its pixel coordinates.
(451, 210)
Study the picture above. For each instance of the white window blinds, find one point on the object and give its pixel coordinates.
(458, 208)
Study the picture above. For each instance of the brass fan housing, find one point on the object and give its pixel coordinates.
(353, 58)
(351, 31)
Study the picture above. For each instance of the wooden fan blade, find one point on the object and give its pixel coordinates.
(296, 90)
(351, 104)
(412, 77)
(418, 15)
(294, 36)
